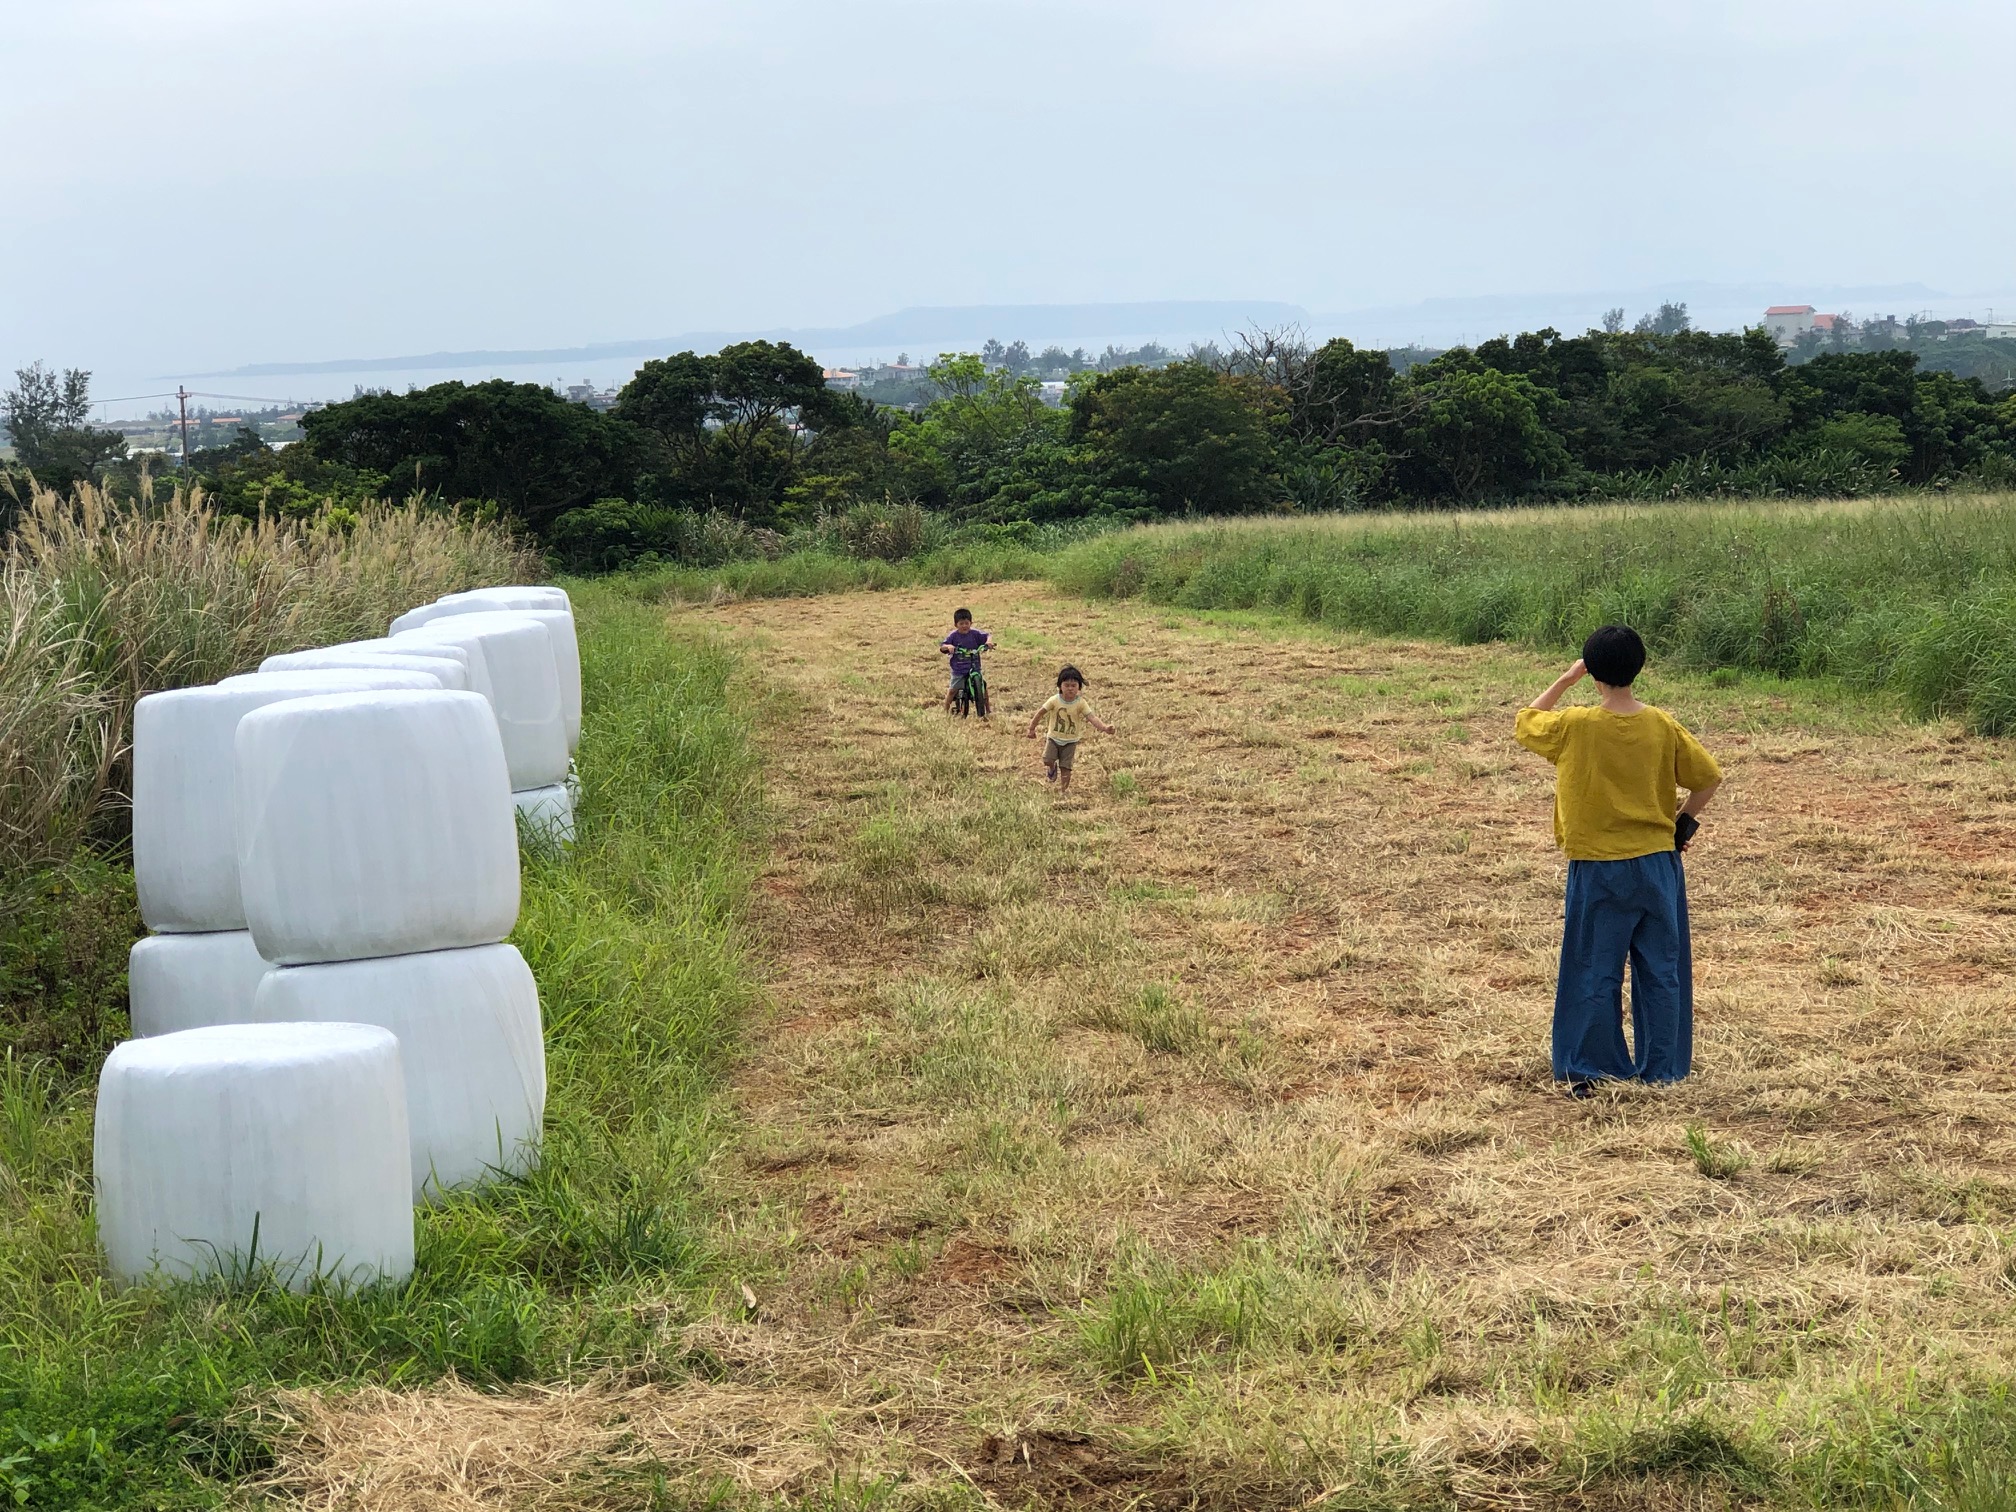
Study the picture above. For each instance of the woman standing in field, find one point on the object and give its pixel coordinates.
(1619, 765)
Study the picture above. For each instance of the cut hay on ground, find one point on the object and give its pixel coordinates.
(1194, 1134)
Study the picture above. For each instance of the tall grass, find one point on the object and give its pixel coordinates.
(102, 602)
(145, 1399)
(1914, 596)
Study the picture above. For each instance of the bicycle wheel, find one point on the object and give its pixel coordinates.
(980, 693)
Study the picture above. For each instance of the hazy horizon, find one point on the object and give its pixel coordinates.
(218, 184)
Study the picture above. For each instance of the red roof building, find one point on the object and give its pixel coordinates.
(1787, 323)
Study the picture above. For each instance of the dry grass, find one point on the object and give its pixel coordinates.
(1189, 1141)
(101, 603)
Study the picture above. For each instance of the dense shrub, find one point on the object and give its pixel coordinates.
(64, 934)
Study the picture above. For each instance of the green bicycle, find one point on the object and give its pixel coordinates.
(969, 693)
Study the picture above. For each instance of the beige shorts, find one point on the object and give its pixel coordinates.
(1060, 753)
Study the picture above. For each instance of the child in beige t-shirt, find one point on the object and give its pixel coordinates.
(1070, 715)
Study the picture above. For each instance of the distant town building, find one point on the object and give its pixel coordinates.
(2000, 330)
(894, 372)
(594, 398)
(842, 378)
(1787, 323)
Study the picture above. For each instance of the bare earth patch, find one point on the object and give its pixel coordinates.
(1190, 1140)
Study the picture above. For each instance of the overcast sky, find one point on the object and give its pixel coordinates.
(212, 182)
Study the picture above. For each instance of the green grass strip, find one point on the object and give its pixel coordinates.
(1914, 597)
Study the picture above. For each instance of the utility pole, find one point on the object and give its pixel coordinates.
(182, 398)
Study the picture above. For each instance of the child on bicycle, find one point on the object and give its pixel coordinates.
(964, 646)
(1069, 715)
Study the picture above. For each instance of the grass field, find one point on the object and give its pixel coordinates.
(1190, 1142)
(1914, 597)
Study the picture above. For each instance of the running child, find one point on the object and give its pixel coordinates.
(963, 645)
(1619, 764)
(1070, 714)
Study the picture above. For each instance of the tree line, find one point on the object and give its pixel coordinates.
(751, 435)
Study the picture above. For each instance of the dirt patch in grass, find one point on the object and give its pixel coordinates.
(1189, 1140)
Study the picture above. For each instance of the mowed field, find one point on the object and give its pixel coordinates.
(1189, 1140)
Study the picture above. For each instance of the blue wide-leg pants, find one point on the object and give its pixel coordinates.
(1632, 910)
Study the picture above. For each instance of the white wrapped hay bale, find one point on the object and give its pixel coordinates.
(471, 657)
(188, 981)
(547, 814)
(559, 623)
(313, 680)
(247, 1145)
(398, 647)
(469, 1040)
(514, 596)
(185, 865)
(517, 651)
(448, 671)
(511, 596)
(373, 824)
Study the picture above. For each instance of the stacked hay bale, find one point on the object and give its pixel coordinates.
(379, 860)
(535, 683)
(330, 1025)
(199, 965)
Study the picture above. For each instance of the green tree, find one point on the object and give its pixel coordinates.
(730, 431)
(1481, 435)
(1339, 393)
(672, 397)
(1669, 319)
(1630, 400)
(985, 429)
(1949, 423)
(1875, 439)
(249, 478)
(1187, 439)
(47, 416)
(522, 446)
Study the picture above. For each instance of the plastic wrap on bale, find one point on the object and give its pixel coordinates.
(312, 680)
(374, 824)
(242, 1147)
(546, 814)
(185, 864)
(559, 625)
(524, 688)
(470, 1042)
(448, 671)
(399, 647)
(189, 981)
(509, 596)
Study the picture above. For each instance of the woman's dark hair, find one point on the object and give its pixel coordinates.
(1614, 655)
(1070, 674)
(959, 614)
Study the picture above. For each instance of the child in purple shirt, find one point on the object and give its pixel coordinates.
(963, 645)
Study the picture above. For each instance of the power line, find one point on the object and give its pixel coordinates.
(249, 398)
(196, 394)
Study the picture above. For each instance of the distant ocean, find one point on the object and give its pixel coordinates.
(923, 333)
